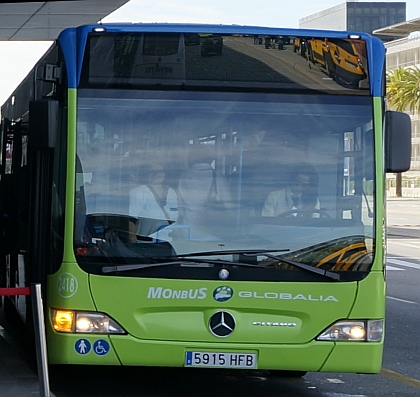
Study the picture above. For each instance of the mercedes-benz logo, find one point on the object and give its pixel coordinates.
(222, 324)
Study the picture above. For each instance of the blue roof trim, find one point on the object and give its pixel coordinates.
(376, 66)
(68, 43)
(73, 52)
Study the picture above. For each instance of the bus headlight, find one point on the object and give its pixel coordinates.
(365, 331)
(72, 321)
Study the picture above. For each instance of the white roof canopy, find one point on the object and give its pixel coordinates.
(400, 29)
(44, 20)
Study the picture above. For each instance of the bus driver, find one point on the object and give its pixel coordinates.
(299, 197)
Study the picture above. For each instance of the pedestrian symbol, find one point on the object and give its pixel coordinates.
(82, 346)
(101, 347)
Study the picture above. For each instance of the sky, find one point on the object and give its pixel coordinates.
(17, 58)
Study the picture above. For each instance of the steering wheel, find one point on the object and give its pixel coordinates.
(304, 213)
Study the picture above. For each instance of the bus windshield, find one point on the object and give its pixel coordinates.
(195, 180)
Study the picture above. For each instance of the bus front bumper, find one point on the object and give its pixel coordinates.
(355, 357)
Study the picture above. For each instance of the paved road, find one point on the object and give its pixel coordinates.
(404, 213)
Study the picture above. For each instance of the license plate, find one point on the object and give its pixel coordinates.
(220, 360)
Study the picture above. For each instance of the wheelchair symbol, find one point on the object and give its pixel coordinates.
(101, 347)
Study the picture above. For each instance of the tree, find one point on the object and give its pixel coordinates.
(403, 89)
(403, 93)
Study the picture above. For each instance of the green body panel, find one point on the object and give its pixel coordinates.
(62, 350)
(370, 300)
(161, 330)
(69, 289)
(71, 176)
(380, 212)
(314, 356)
(159, 310)
(360, 357)
(308, 357)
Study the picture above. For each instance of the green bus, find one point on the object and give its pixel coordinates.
(186, 207)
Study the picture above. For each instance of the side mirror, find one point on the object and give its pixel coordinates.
(43, 123)
(397, 141)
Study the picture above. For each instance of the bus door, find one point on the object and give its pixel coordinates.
(15, 209)
(26, 211)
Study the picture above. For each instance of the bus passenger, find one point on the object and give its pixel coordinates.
(299, 197)
(153, 203)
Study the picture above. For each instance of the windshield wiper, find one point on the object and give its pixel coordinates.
(184, 260)
(176, 261)
(332, 275)
(232, 252)
(326, 273)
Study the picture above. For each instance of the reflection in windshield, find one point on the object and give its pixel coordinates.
(232, 172)
(228, 62)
